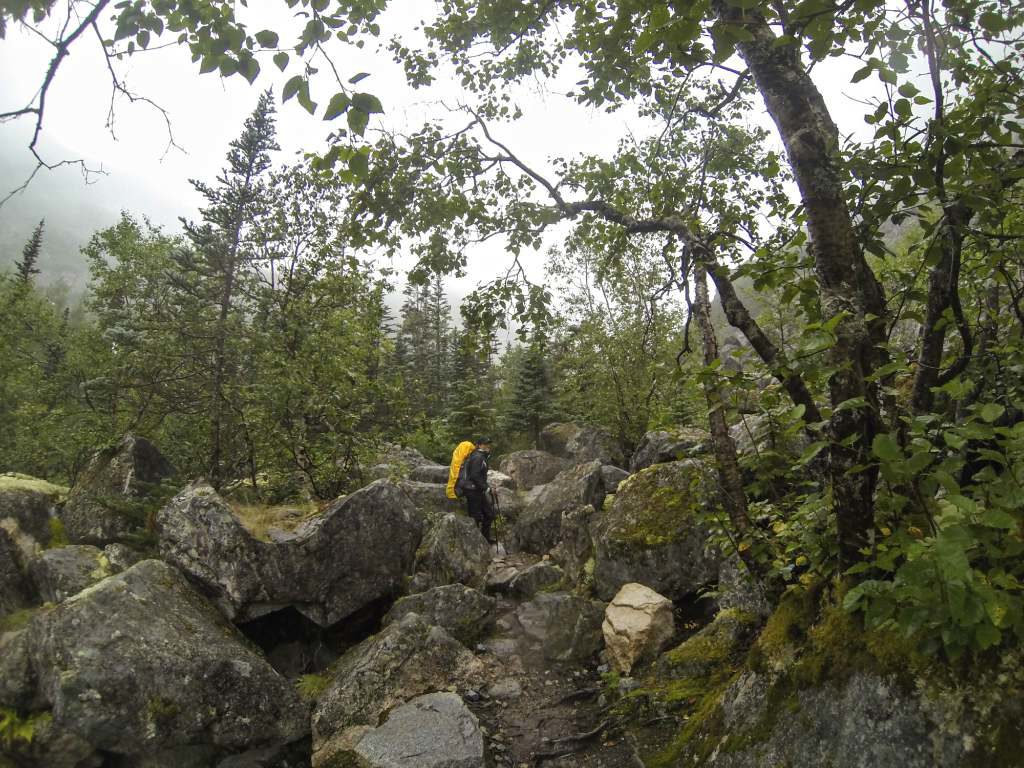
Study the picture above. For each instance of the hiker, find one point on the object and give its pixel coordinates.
(473, 484)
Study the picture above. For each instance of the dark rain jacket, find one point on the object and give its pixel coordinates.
(476, 472)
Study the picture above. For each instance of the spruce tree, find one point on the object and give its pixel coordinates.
(219, 259)
(26, 268)
(531, 403)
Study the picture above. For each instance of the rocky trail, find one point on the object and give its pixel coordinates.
(146, 629)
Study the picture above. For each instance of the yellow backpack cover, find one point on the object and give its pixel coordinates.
(462, 450)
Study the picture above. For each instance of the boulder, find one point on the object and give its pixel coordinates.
(612, 477)
(16, 591)
(358, 551)
(65, 571)
(499, 480)
(721, 644)
(581, 443)
(510, 505)
(564, 626)
(407, 659)
(121, 557)
(538, 527)
(502, 571)
(28, 511)
(430, 473)
(453, 551)
(118, 490)
(651, 534)
(537, 577)
(638, 624)
(532, 468)
(664, 445)
(739, 590)
(866, 720)
(432, 731)
(396, 463)
(463, 612)
(575, 549)
(140, 667)
(431, 499)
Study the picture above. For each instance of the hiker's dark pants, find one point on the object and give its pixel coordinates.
(479, 508)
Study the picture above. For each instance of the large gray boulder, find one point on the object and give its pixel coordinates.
(358, 551)
(612, 477)
(537, 529)
(532, 468)
(664, 445)
(651, 532)
(140, 668)
(465, 613)
(453, 551)
(116, 493)
(28, 511)
(407, 659)
(16, 591)
(564, 627)
(431, 499)
(65, 571)
(579, 443)
(432, 731)
(430, 473)
(868, 720)
(575, 550)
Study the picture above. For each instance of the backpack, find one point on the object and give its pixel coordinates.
(456, 472)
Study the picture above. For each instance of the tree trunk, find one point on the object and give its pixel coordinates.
(848, 286)
(734, 500)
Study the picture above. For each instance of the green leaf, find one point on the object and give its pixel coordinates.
(812, 450)
(359, 164)
(339, 103)
(357, 120)
(267, 38)
(886, 448)
(367, 102)
(281, 59)
(292, 87)
(356, 78)
(991, 411)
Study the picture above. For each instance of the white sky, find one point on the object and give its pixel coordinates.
(207, 112)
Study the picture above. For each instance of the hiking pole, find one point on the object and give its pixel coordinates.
(497, 513)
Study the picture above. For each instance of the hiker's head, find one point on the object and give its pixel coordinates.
(484, 444)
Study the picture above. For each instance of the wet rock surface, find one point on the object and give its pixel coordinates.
(665, 445)
(531, 468)
(650, 532)
(463, 612)
(432, 731)
(65, 571)
(581, 443)
(140, 665)
(359, 550)
(454, 551)
(539, 525)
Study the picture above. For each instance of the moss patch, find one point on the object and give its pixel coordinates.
(16, 728)
(656, 504)
(310, 687)
(12, 481)
(58, 536)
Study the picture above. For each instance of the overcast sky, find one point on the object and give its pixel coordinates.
(207, 112)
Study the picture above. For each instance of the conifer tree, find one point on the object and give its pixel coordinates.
(531, 402)
(219, 261)
(26, 268)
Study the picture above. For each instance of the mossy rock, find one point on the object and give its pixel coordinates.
(652, 532)
(31, 503)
